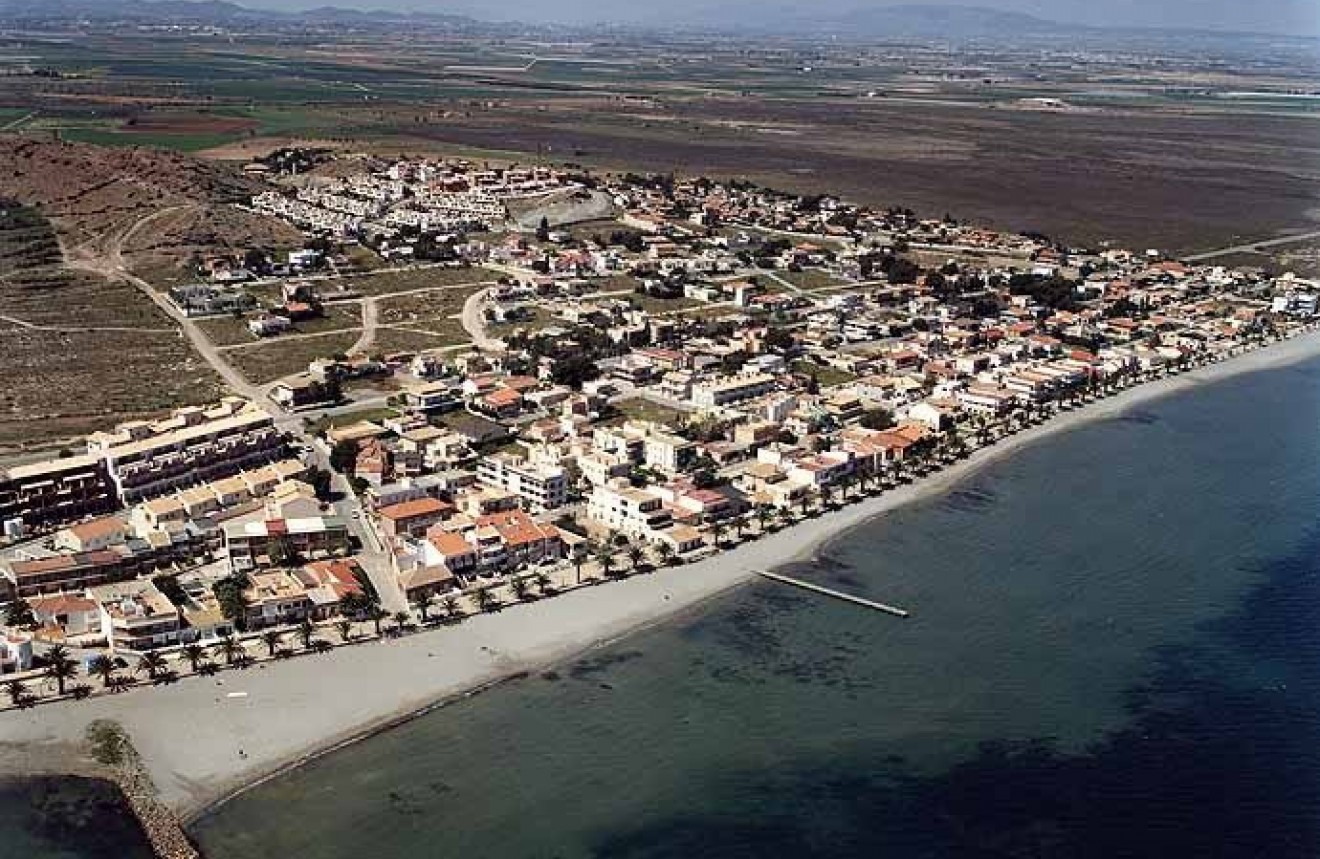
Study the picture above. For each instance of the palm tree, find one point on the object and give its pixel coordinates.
(450, 606)
(717, 529)
(272, 639)
(580, 553)
(635, 555)
(344, 627)
(544, 583)
(305, 631)
(401, 620)
(17, 691)
(151, 663)
(484, 599)
(762, 516)
(422, 602)
(194, 653)
(606, 560)
(666, 552)
(228, 648)
(60, 667)
(519, 587)
(104, 667)
(376, 614)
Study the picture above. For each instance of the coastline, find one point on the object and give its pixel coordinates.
(204, 740)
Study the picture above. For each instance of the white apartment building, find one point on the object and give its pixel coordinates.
(542, 486)
(194, 445)
(734, 389)
(623, 508)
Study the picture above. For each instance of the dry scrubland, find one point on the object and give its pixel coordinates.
(80, 352)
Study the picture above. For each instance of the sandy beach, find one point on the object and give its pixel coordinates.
(204, 738)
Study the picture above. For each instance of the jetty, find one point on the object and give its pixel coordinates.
(830, 592)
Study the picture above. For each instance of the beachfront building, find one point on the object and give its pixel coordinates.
(77, 571)
(413, 518)
(266, 543)
(53, 492)
(194, 445)
(542, 486)
(618, 506)
(136, 616)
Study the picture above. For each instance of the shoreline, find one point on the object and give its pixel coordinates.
(205, 741)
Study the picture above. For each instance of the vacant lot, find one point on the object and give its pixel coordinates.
(810, 278)
(407, 280)
(394, 340)
(435, 312)
(232, 331)
(267, 362)
(639, 409)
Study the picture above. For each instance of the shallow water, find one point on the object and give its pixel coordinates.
(1113, 652)
(67, 818)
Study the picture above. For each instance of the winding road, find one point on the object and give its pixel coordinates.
(1253, 247)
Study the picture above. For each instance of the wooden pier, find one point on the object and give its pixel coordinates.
(829, 592)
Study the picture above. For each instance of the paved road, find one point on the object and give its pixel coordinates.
(1253, 246)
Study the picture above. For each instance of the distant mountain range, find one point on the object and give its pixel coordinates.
(218, 13)
(945, 22)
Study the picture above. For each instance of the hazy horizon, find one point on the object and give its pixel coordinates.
(1284, 17)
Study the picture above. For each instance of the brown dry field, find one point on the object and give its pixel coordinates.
(1178, 181)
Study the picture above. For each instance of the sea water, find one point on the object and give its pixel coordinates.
(1114, 651)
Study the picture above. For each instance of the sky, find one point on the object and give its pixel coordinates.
(1293, 17)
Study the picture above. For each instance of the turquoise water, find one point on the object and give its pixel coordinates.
(1113, 653)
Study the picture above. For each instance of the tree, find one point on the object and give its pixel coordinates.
(305, 631)
(635, 555)
(543, 230)
(272, 639)
(580, 553)
(573, 370)
(152, 664)
(376, 614)
(665, 551)
(519, 587)
(60, 667)
(343, 456)
(17, 691)
(484, 599)
(543, 582)
(717, 530)
(606, 560)
(20, 614)
(229, 595)
(877, 419)
(193, 654)
(229, 649)
(422, 602)
(345, 630)
(450, 606)
(762, 515)
(104, 667)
